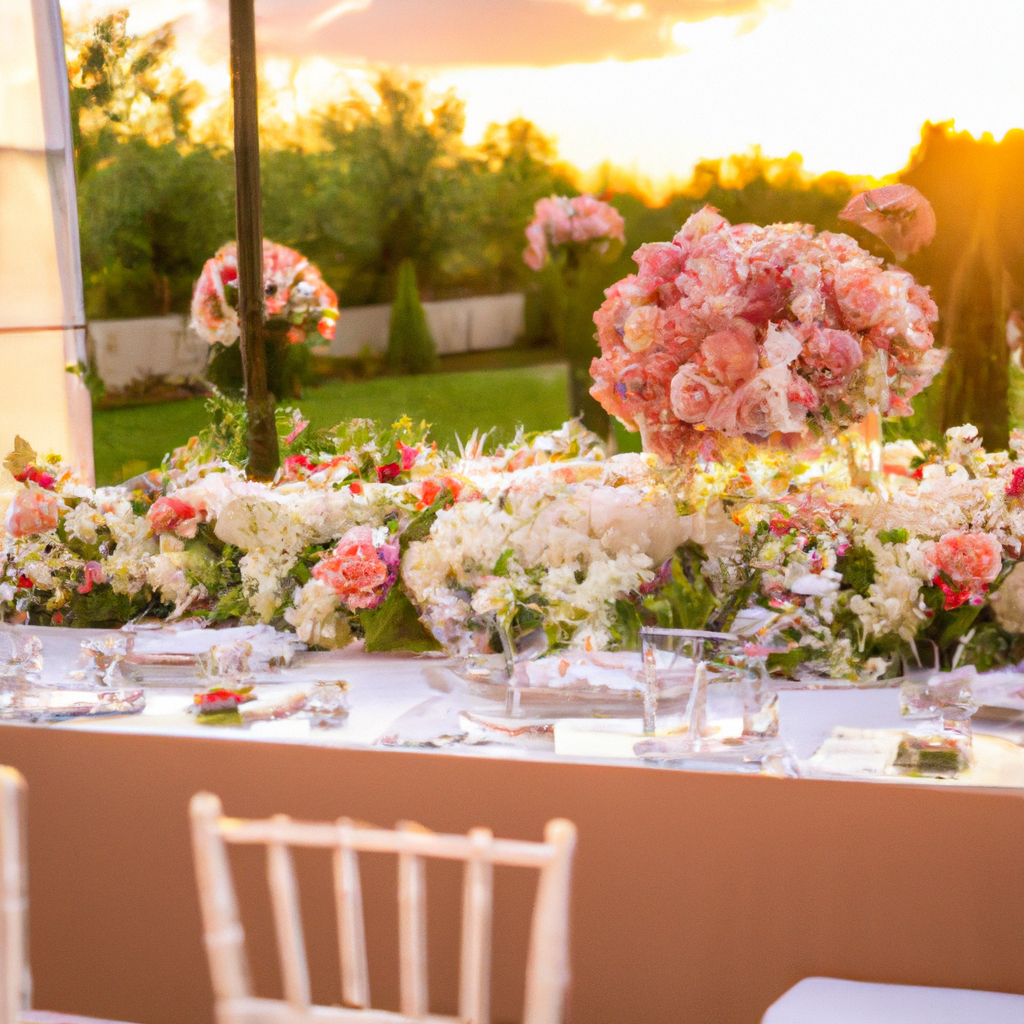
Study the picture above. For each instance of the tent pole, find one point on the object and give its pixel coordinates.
(264, 455)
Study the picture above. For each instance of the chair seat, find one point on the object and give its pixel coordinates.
(833, 1001)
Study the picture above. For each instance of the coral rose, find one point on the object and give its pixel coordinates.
(33, 512)
(974, 559)
(357, 571)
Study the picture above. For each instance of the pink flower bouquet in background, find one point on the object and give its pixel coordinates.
(582, 222)
(571, 242)
(745, 331)
(295, 292)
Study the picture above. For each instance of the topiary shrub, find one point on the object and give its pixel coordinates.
(411, 347)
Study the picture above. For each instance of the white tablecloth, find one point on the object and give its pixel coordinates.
(407, 700)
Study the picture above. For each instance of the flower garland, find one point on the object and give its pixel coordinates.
(379, 534)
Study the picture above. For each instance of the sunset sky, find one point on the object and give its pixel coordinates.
(650, 85)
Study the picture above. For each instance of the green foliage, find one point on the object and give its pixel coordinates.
(857, 567)
(396, 626)
(150, 216)
(419, 527)
(786, 663)
(411, 347)
(686, 600)
(897, 536)
(288, 366)
(224, 435)
(975, 267)
(102, 607)
(123, 86)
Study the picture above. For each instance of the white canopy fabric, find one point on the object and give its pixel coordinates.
(42, 312)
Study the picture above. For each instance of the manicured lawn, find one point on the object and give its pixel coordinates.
(136, 438)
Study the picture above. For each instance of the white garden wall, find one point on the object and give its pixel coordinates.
(127, 350)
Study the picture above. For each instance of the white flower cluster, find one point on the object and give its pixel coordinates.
(558, 542)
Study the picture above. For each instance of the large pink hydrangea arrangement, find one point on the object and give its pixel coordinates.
(295, 292)
(759, 332)
(581, 221)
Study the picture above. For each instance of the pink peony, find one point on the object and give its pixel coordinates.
(836, 353)
(31, 512)
(693, 395)
(731, 356)
(535, 255)
(973, 559)
(898, 214)
(358, 572)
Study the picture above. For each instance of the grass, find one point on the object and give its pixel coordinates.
(129, 440)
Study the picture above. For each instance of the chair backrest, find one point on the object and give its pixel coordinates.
(15, 979)
(547, 965)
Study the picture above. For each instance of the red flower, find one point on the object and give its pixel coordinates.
(385, 474)
(172, 515)
(356, 488)
(955, 596)
(1015, 488)
(24, 583)
(294, 466)
(32, 474)
(221, 700)
(432, 488)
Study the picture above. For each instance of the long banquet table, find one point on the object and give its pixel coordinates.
(698, 896)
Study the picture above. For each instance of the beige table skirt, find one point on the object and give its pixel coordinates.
(698, 897)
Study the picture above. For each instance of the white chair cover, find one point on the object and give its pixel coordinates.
(833, 1001)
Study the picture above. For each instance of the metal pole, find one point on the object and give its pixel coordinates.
(264, 456)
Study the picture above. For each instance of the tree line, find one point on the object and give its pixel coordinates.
(382, 177)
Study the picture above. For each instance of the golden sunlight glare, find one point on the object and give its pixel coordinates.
(846, 83)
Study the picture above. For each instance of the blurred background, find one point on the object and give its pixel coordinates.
(424, 131)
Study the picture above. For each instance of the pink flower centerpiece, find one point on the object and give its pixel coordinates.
(760, 333)
(295, 292)
(581, 221)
